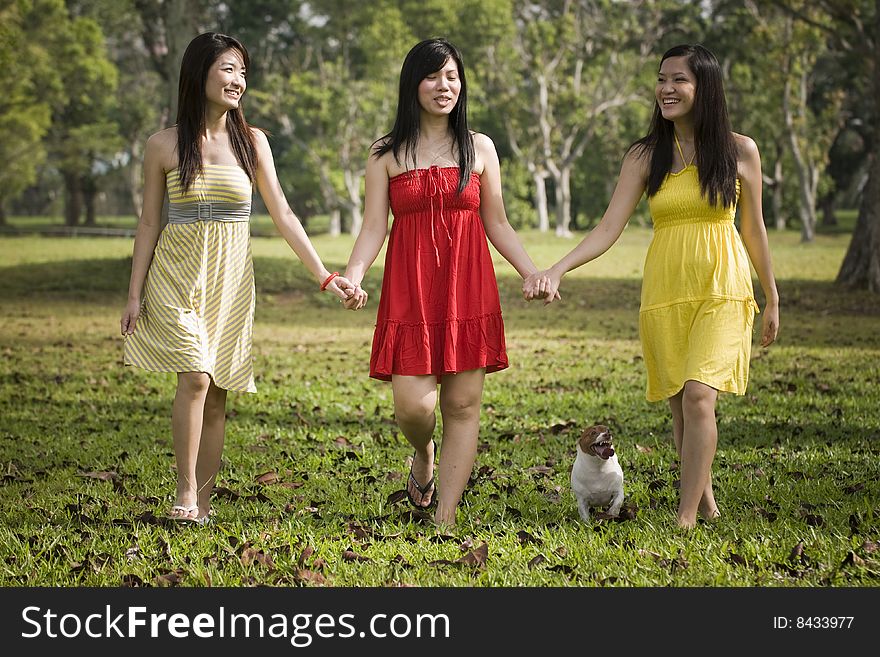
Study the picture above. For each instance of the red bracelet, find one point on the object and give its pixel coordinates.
(327, 281)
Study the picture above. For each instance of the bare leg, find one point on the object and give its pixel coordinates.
(460, 397)
(708, 507)
(415, 398)
(210, 446)
(187, 415)
(699, 441)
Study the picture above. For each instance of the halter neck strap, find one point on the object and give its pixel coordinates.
(681, 153)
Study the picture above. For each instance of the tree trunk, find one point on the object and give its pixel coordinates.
(89, 194)
(89, 201)
(135, 177)
(807, 201)
(357, 220)
(861, 265)
(2, 212)
(335, 229)
(353, 187)
(72, 199)
(776, 195)
(541, 201)
(563, 202)
(827, 205)
(169, 25)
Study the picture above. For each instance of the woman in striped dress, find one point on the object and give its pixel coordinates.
(191, 295)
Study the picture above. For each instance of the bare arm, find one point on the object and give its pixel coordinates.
(287, 222)
(373, 229)
(375, 224)
(148, 228)
(498, 228)
(627, 194)
(754, 234)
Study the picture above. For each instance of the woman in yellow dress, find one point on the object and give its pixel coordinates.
(697, 305)
(190, 303)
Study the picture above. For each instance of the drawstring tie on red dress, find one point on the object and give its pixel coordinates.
(435, 185)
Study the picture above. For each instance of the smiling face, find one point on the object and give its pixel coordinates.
(676, 88)
(438, 91)
(226, 81)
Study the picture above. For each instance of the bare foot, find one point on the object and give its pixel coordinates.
(686, 523)
(444, 517)
(444, 527)
(709, 513)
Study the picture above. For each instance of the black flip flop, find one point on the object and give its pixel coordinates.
(423, 490)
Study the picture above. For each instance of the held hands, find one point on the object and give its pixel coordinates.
(352, 296)
(338, 285)
(358, 297)
(130, 317)
(357, 300)
(542, 284)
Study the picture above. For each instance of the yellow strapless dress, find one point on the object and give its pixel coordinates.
(697, 305)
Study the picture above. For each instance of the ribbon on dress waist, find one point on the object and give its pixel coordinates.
(436, 186)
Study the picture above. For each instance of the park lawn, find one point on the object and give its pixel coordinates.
(310, 489)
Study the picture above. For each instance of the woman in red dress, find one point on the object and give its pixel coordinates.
(439, 319)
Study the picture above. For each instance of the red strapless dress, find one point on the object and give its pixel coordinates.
(439, 312)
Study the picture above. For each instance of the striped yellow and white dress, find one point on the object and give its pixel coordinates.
(198, 308)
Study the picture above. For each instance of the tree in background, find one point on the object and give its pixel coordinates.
(557, 84)
(32, 87)
(167, 27)
(568, 64)
(82, 134)
(854, 26)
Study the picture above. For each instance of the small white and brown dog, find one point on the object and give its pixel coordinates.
(596, 477)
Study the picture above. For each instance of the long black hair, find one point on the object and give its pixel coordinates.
(715, 154)
(200, 54)
(425, 58)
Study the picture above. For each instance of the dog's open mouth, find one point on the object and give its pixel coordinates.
(603, 449)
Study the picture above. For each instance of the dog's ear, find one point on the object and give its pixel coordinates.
(588, 436)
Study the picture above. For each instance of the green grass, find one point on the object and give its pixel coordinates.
(86, 455)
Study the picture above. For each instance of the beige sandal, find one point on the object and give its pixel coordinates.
(180, 513)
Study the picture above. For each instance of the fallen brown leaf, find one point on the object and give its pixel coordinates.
(172, 578)
(852, 559)
(476, 557)
(525, 538)
(396, 497)
(132, 581)
(309, 577)
(267, 478)
(307, 552)
(351, 555)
